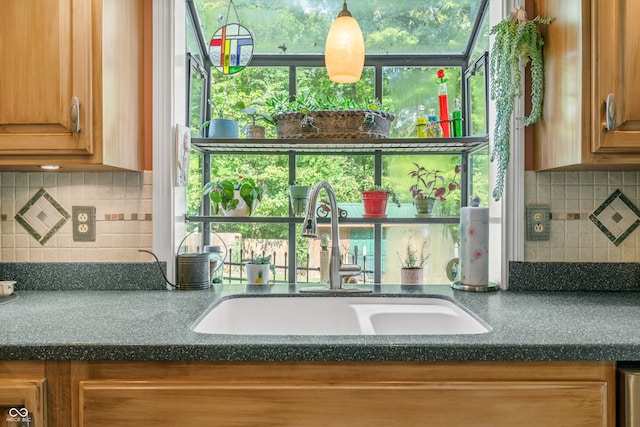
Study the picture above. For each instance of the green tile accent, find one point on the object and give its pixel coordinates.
(617, 217)
(34, 215)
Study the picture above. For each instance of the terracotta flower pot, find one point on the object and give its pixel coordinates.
(255, 132)
(375, 204)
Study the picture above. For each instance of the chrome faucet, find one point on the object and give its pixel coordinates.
(337, 270)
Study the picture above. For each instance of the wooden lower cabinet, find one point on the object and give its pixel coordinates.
(185, 394)
(344, 394)
(22, 394)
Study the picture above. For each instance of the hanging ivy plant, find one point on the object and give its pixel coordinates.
(518, 42)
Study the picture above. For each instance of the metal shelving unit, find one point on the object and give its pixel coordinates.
(464, 147)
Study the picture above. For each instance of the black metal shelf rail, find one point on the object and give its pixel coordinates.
(390, 146)
(206, 219)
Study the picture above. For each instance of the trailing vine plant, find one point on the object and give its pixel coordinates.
(518, 42)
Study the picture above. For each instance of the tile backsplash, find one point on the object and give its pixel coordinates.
(574, 196)
(34, 227)
(123, 202)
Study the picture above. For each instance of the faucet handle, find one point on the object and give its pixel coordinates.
(349, 270)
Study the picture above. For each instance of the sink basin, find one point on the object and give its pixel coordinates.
(295, 315)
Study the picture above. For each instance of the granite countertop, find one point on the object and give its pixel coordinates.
(156, 325)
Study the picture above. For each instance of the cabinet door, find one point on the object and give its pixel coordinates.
(616, 66)
(367, 404)
(45, 53)
(18, 395)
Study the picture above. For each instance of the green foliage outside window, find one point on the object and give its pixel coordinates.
(301, 26)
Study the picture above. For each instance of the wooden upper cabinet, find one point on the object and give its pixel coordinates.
(617, 73)
(589, 52)
(44, 65)
(53, 52)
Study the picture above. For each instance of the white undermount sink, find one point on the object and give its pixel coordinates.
(326, 315)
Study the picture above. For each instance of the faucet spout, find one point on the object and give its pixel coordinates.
(310, 229)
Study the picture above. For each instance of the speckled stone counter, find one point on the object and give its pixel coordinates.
(47, 276)
(574, 276)
(156, 325)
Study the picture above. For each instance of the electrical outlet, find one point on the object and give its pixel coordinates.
(538, 222)
(84, 223)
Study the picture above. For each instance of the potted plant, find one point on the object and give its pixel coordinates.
(220, 127)
(234, 197)
(518, 42)
(429, 186)
(308, 116)
(412, 266)
(375, 200)
(299, 198)
(258, 270)
(254, 130)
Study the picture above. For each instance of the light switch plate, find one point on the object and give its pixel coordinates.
(84, 223)
(538, 222)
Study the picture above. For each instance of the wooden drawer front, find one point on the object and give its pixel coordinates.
(198, 403)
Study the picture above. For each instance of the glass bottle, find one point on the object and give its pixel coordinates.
(443, 102)
(457, 119)
(421, 122)
(216, 260)
(434, 130)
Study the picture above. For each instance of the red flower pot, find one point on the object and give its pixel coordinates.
(375, 204)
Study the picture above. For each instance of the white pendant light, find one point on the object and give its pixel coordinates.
(344, 51)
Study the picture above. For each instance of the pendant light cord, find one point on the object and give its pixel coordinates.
(344, 11)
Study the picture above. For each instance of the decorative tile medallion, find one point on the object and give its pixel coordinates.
(617, 217)
(42, 216)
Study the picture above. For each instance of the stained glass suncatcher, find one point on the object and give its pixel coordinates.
(231, 48)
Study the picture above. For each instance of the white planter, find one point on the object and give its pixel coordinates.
(242, 209)
(257, 274)
(411, 276)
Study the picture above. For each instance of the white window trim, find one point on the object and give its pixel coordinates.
(169, 99)
(169, 106)
(507, 215)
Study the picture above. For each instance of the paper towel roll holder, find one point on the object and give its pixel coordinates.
(454, 265)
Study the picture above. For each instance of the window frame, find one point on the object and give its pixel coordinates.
(378, 62)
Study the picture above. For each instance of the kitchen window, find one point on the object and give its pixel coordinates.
(400, 70)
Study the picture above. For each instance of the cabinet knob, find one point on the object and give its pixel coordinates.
(610, 111)
(75, 114)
